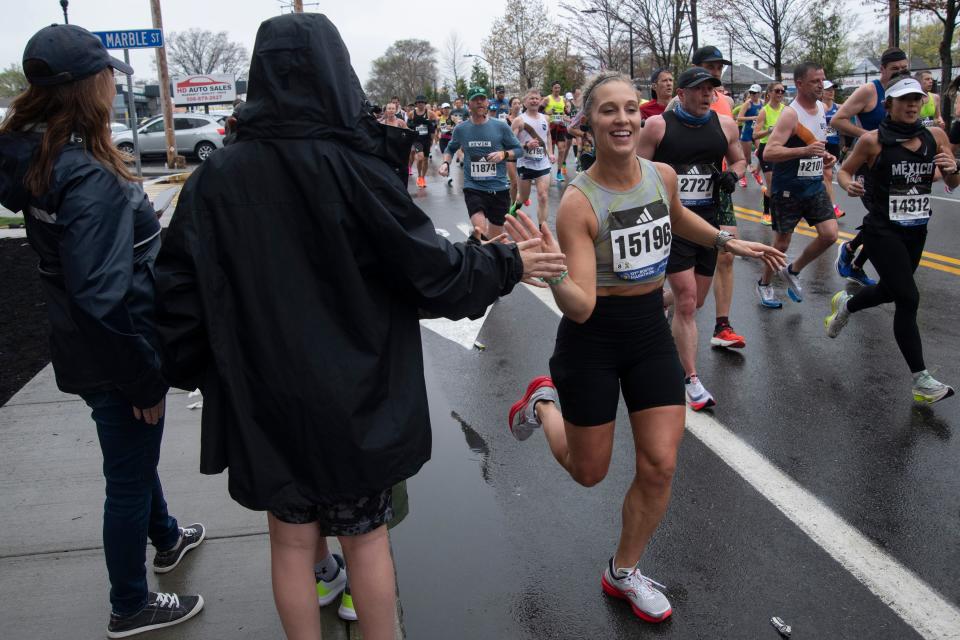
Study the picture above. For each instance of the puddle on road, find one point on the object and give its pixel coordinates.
(449, 550)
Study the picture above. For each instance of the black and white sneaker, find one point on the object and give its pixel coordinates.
(190, 537)
(162, 610)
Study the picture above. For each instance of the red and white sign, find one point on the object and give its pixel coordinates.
(212, 88)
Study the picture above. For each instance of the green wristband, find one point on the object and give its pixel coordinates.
(555, 281)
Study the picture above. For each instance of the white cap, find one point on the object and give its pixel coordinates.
(445, 105)
(754, 88)
(827, 84)
(905, 87)
(569, 96)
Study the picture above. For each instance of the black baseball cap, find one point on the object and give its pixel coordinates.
(709, 54)
(499, 89)
(421, 99)
(64, 53)
(695, 76)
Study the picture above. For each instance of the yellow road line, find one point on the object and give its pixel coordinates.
(806, 230)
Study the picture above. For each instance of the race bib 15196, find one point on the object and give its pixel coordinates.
(640, 239)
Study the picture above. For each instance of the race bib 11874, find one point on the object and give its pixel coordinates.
(482, 170)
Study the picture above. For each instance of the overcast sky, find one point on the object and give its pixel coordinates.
(368, 27)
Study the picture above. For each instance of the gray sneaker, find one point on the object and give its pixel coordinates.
(162, 610)
(927, 389)
(523, 418)
(792, 280)
(190, 537)
(647, 602)
(768, 297)
(839, 315)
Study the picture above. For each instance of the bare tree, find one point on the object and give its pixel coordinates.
(453, 61)
(660, 27)
(772, 28)
(518, 43)
(197, 51)
(409, 67)
(599, 34)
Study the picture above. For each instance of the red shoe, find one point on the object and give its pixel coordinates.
(522, 419)
(727, 338)
(743, 182)
(757, 177)
(526, 202)
(564, 169)
(837, 211)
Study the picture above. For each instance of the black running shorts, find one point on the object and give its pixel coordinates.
(788, 211)
(493, 204)
(764, 165)
(340, 516)
(690, 255)
(527, 173)
(625, 345)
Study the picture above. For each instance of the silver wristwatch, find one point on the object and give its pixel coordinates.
(723, 237)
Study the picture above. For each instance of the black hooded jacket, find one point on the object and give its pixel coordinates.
(290, 280)
(96, 236)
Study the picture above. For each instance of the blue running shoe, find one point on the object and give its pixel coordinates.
(860, 277)
(844, 261)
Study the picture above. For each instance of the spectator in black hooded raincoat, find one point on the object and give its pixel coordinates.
(288, 291)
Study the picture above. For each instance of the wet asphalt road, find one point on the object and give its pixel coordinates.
(501, 543)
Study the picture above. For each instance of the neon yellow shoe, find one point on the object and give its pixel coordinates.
(346, 610)
(328, 590)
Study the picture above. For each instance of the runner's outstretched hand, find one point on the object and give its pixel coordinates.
(774, 258)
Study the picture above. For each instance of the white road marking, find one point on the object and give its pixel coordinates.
(917, 603)
(945, 199)
(463, 332)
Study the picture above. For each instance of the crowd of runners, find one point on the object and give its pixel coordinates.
(651, 206)
(645, 227)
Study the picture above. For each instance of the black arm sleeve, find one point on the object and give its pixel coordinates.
(451, 280)
(180, 317)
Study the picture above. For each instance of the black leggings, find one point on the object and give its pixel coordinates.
(895, 254)
(862, 257)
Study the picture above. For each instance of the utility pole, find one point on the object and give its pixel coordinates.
(63, 5)
(893, 27)
(165, 99)
(693, 23)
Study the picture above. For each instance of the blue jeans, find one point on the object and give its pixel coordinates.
(134, 508)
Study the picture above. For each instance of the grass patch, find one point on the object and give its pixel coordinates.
(4, 221)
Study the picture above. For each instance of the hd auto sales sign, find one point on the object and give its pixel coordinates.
(211, 88)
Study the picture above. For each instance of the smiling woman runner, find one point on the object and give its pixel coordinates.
(616, 225)
(901, 158)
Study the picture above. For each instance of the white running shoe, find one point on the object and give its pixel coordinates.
(697, 396)
(768, 296)
(647, 602)
(839, 315)
(927, 389)
(328, 590)
(792, 280)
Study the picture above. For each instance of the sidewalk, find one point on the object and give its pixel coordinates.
(53, 581)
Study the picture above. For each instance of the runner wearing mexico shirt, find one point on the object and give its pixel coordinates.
(424, 124)
(532, 129)
(797, 150)
(486, 144)
(555, 106)
(903, 158)
(617, 222)
(694, 141)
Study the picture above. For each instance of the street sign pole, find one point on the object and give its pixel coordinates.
(132, 115)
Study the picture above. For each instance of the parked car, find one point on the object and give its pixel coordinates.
(196, 134)
(117, 127)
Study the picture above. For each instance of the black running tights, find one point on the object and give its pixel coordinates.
(896, 255)
(861, 258)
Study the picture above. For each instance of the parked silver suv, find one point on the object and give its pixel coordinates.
(196, 134)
